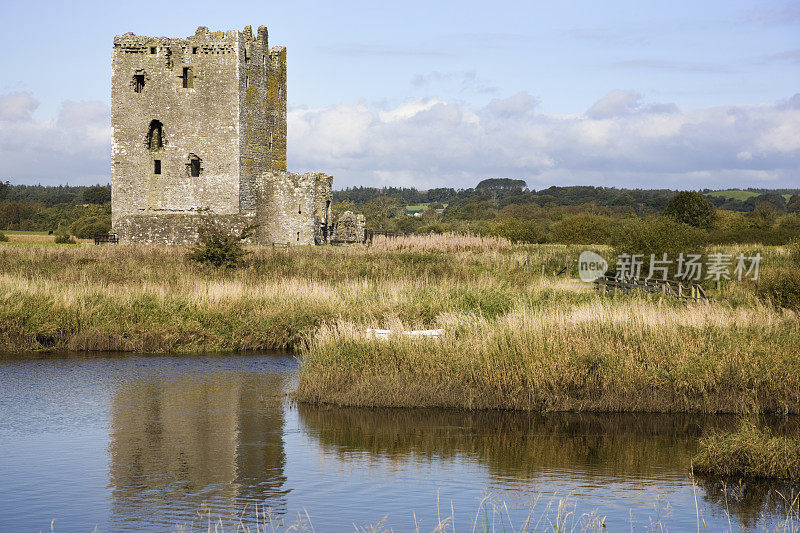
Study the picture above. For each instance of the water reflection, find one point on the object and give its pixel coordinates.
(594, 450)
(179, 443)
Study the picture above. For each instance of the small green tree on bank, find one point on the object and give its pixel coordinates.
(220, 248)
(690, 207)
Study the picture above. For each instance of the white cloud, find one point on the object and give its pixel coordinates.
(74, 148)
(620, 141)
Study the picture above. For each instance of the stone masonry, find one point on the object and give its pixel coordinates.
(199, 132)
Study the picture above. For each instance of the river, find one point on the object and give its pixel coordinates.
(131, 443)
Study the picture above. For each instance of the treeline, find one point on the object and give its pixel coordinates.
(83, 211)
(581, 214)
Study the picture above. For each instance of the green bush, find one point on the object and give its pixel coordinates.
(3, 237)
(64, 238)
(692, 208)
(91, 226)
(781, 287)
(514, 229)
(656, 235)
(219, 248)
(583, 228)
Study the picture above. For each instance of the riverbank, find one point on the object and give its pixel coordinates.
(151, 299)
(516, 335)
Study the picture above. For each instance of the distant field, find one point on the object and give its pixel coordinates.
(739, 195)
(18, 232)
(415, 208)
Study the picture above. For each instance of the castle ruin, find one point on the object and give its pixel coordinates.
(199, 133)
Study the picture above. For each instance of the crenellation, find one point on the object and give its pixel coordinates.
(199, 130)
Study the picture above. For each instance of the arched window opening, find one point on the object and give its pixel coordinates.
(299, 209)
(298, 236)
(193, 167)
(155, 136)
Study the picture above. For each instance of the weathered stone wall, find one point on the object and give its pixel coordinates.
(258, 127)
(277, 105)
(219, 97)
(286, 209)
(199, 120)
(349, 228)
(175, 228)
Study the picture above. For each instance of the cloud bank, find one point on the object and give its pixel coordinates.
(621, 140)
(74, 148)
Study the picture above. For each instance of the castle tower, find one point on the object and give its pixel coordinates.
(199, 128)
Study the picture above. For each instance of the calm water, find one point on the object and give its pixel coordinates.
(152, 443)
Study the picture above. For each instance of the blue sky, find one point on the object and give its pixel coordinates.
(649, 94)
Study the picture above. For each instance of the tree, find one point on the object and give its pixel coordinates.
(99, 194)
(794, 203)
(379, 211)
(690, 207)
(501, 184)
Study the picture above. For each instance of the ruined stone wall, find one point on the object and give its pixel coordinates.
(254, 112)
(287, 207)
(277, 106)
(200, 119)
(218, 99)
(175, 228)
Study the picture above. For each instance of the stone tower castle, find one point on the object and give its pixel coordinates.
(199, 133)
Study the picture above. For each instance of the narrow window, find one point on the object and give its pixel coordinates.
(156, 166)
(194, 49)
(270, 141)
(193, 166)
(155, 136)
(299, 210)
(188, 78)
(138, 83)
(152, 49)
(298, 236)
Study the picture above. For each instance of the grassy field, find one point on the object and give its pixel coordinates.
(515, 335)
(740, 195)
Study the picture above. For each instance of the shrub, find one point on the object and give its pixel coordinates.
(781, 287)
(582, 229)
(91, 226)
(219, 248)
(692, 208)
(3, 237)
(657, 235)
(514, 229)
(64, 238)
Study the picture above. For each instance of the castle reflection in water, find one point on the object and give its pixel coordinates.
(197, 442)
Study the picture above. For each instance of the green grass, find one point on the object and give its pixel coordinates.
(740, 195)
(20, 232)
(415, 208)
(516, 336)
(749, 452)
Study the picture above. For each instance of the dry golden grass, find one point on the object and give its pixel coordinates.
(602, 355)
(514, 338)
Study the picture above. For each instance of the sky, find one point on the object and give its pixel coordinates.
(668, 94)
